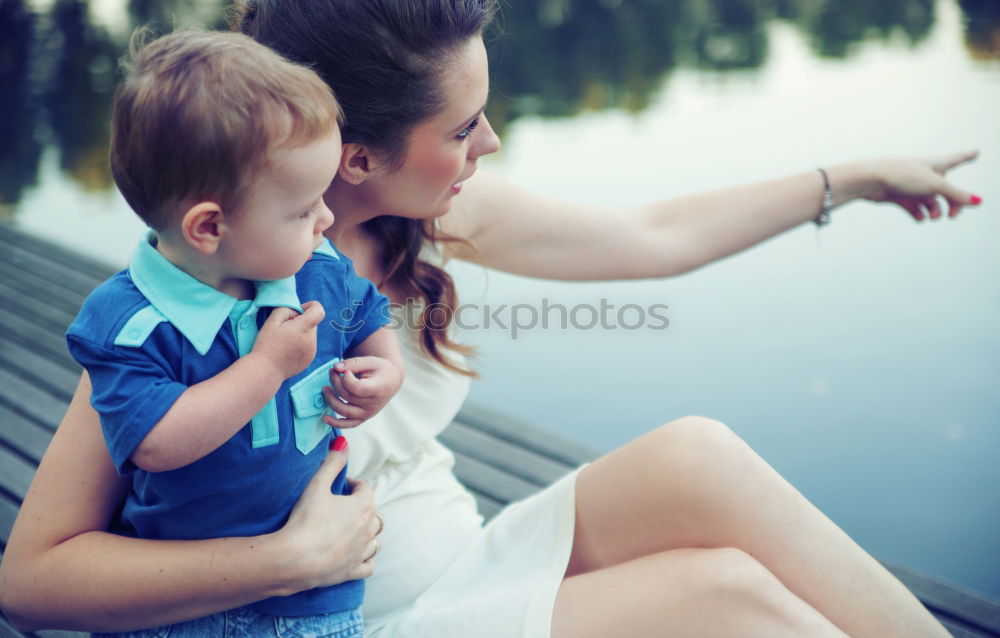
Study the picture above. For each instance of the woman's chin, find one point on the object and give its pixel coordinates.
(442, 208)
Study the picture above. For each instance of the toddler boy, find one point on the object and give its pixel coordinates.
(207, 370)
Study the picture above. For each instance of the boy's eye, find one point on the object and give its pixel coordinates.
(307, 213)
(468, 129)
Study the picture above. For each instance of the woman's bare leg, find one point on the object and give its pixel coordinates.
(696, 593)
(694, 484)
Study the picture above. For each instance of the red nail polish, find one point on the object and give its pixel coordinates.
(976, 200)
(338, 444)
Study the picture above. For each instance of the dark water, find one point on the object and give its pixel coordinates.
(862, 362)
(58, 64)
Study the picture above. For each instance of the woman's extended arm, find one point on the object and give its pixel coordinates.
(62, 570)
(523, 233)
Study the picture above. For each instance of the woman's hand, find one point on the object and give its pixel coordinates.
(916, 184)
(332, 538)
(61, 569)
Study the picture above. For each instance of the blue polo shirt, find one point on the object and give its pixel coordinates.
(151, 331)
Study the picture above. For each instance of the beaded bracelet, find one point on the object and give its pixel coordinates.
(824, 213)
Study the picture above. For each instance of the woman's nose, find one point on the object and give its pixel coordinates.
(485, 139)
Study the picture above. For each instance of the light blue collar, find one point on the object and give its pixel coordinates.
(197, 310)
(326, 248)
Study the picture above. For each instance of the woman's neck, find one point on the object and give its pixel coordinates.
(351, 209)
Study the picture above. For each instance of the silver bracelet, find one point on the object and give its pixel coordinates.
(824, 213)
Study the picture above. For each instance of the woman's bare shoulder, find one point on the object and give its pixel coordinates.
(488, 208)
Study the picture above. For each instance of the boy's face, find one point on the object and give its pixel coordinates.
(284, 219)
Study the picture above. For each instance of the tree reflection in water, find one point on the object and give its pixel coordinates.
(548, 58)
(982, 28)
(77, 96)
(20, 146)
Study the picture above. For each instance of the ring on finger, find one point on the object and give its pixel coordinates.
(375, 548)
(381, 524)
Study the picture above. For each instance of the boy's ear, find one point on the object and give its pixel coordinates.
(357, 163)
(202, 227)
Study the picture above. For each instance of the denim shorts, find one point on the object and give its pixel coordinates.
(244, 622)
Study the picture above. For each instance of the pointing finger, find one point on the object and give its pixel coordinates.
(952, 161)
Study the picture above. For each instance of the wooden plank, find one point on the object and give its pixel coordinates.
(488, 508)
(28, 399)
(491, 481)
(19, 329)
(8, 512)
(94, 268)
(522, 463)
(31, 285)
(57, 379)
(15, 473)
(62, 278)
(526, 435)
(39, 310)
(22, 435)
(961, 631)
(975, 610)
(9, 508)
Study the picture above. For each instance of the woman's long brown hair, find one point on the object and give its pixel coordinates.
(383, 60)
(402, 240)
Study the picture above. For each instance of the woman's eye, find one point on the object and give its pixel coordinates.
(468, 129)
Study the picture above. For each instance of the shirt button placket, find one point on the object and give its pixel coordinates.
(246, 331)
(264, 425)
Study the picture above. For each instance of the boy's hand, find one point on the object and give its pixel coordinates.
(288, 339)
(366, 386)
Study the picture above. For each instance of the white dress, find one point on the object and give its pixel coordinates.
(440, 573)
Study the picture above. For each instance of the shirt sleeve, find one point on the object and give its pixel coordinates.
(131, 391)
(370, 310)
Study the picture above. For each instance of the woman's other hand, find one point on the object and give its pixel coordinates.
(916, 185)
(332, 538)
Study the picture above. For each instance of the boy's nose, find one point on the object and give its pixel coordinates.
(325, 219)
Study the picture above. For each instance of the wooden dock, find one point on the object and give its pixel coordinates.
(498, 459)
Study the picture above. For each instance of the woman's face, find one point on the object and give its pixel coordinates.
(441, 152)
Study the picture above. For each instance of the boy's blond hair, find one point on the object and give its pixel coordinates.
(198, 111)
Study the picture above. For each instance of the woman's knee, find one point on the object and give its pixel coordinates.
(697, 428)
(738, 579)
(697, 436)
(731, 571)
(695, 592)
(685, 457)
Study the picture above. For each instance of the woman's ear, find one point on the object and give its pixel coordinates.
(202, 227)
(357, 163)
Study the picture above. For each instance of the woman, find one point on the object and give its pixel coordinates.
(684, 531)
